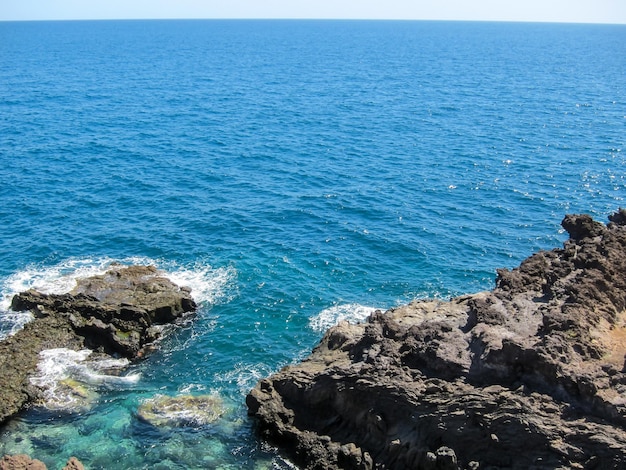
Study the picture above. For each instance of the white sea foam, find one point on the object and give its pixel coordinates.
(208, 285)
(244, 375)
(56, 279)
(12, 322)
(68, 378)
(188, 388)
(353, 313)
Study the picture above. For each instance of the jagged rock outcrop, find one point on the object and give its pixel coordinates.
(528, 375)
(120, 313)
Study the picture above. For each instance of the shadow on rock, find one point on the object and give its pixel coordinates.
(528, 375)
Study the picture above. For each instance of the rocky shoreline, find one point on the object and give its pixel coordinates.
(118, 314)
(528, 375)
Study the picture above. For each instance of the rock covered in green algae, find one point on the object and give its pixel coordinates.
(182, 410)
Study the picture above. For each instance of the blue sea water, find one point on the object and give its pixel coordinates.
(292, 173)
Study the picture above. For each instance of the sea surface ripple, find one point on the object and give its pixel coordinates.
(293, 173)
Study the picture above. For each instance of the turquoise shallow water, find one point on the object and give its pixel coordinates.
(292, 173)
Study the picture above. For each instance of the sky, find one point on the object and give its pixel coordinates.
(568, 11)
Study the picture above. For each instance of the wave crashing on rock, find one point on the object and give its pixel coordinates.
(118, 314)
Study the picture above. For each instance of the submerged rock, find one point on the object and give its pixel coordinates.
(74, 464)
(180, 411)
(119, 313)
(528, 375)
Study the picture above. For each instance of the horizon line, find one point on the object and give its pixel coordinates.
(448, 20)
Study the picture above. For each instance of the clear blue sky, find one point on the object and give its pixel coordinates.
(579, 11)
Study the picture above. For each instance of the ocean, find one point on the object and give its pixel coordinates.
(293, 174)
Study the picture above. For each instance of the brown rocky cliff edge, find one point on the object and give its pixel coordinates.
(528, 375)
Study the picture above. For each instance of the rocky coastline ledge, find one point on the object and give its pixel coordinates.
(119, 314)
(528, 375)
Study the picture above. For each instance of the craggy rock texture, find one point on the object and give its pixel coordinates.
(24, 462)
(21, 462)
(529, 375)
(119, 313)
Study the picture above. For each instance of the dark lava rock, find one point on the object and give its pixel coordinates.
(528, 375)
(116, 312)
(120, 313)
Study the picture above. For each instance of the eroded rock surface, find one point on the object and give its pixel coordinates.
(24, 462)
(528, 375)
(21, 462)
(120, 313)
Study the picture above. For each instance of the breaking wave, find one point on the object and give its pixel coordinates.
(68, 379)
(208, 285)
(353, 313)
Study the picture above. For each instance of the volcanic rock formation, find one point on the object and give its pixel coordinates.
(119, 313)
(528, 375)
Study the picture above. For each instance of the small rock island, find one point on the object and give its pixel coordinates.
(528, 375)
(120, 313)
